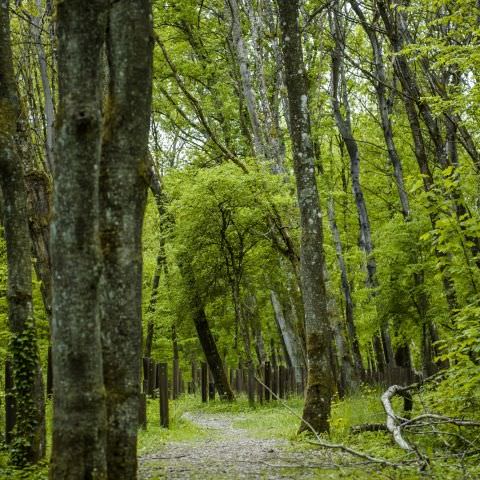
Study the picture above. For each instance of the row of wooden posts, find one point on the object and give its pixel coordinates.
(263, 385)
(266, 383)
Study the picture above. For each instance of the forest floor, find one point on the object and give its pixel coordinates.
(230, 452)
(218, 441)
(233, 441)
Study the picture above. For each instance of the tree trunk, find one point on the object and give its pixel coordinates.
(29, 444)
(39, 208)
(157, 191)
(274, 145)
(122, 199)
(384, 108)
(251, 312)
(79, 428)
(152, 304)
(245, 78)
(339, 98)
(204, 333)
(290, 339)
(349, 307)
(36, 30)
(319, 381)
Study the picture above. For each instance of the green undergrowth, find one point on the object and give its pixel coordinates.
(281, 419)
(180, 429)
(36, 472)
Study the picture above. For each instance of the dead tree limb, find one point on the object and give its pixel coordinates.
(332, 446)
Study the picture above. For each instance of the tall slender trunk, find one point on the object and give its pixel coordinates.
(152, 304)
(289, 337)
(240, 318)
(274, 145)
(319, 381)
(36, 29)
(384, 108)
(245, 78)
(205, 336)
(349, 307)
(347, 377)
(39, 206)
(122, 200)
(252, 316)
(157, 190)
(29, 440)
(339, 98)
(79, 417)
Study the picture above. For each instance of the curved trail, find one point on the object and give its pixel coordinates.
(231, 453)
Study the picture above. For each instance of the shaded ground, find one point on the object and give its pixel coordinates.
(229, 452)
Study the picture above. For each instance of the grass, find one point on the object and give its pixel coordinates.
(180, 429)
(273, 420)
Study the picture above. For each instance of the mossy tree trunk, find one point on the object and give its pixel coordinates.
(319, 382)
(29, 435)
(123, 192)
(79, 427)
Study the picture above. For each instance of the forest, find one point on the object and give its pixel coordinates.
(239, 239)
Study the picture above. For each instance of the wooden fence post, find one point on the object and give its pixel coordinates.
(268, 381)
(145, 375)
(163, 383)
(259, 387)
(151, 377)
(175, 379)
(211, 386)
(251, 385)
(281, 381)
(204, 383)
(275, 382)
(194, 380)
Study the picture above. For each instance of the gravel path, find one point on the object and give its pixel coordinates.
(230, 453)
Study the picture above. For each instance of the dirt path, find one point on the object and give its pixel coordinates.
(230, 453)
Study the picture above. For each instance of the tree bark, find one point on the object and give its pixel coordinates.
(122, 199)
(79, 428)
(339, 97)
(49, 110)
(319, 381)
(349, 307)
(253, 318)
(157, 191)
(384, 108)
(29, 443)
(245, 78)
(204, 333)
(274, 145)
(290, 339)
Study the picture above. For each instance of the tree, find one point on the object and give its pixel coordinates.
(30, 443)
(123, 186)
(319, 382)
(79, 414)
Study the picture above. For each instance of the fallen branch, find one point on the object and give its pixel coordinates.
(394, 425)
(333, 446)
(442, 420)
